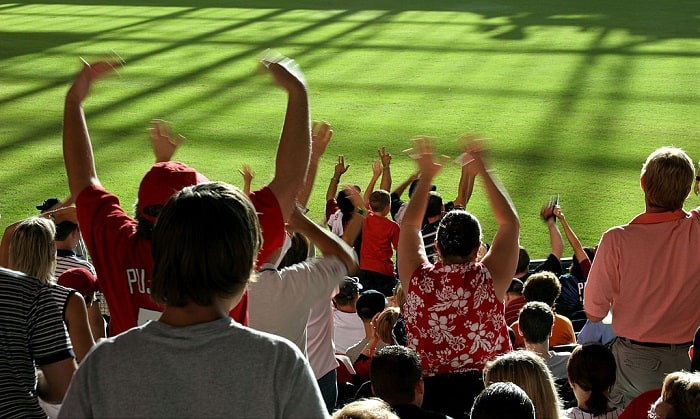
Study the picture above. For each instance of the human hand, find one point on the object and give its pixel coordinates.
(376, 168)
(88, 74)
(247, 173)
(286, 71)
(558, 213)
(384, 156)
(321, 134)
(164, 144)
(340, 167)
(354, 196)
(475, 149)
(423, 154)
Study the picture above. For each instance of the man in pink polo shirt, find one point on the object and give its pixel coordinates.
(648, 273)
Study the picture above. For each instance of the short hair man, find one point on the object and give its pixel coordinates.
(196, 361)
(536, 322)
(503, 400)
(545, 287)
(348, 327)
(370, 303)
(67, 239)
(647, 271)
(397, 378)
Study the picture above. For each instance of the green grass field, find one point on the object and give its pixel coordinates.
(572, 95)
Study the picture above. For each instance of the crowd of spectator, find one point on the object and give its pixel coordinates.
(219, 301)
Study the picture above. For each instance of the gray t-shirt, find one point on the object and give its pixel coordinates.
(215, 369)
(557, 364)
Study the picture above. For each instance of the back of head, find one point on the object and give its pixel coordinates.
(681, 390)
(575, 268)
(379, 200)
(64, 229)
(385, 324)
(81, 280)
(667, 176)
(372, 408)
(458, 234)
(535, 320)
(394, 372)
(33, 249)
(523, 261)
(161, 181)
(205, 244)
(592, 367)
(348, 291)
(297, 253)
(369, 304)
(435, 205)
(542, 286)
(529, 372)
(516, 287)
(502, 400)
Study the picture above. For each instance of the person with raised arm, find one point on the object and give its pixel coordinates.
(454, 311)
(120, 246)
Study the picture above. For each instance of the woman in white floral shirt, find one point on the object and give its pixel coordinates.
(454, 310)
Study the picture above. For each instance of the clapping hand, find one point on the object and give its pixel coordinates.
(163, 142)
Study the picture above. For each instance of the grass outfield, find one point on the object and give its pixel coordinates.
(573, 95)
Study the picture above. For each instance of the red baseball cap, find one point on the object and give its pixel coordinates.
(162, 181)
(80, 279)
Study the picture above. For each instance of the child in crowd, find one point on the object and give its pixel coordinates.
(380, 236)
(592, 371)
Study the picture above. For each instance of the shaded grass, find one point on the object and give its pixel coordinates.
(573, 96)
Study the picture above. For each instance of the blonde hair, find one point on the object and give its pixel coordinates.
(682, 391)
(529, 372)
(667, 175)
(399, 296)
(372, 408)
(33, 249)
(385, 324)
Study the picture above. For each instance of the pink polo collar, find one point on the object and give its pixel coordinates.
(659, 217)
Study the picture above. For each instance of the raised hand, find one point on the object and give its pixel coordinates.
(321, 134)
(376, 168)
(248, 176)
(475, 147)
(88, 74)
(286, 71)
(384, 156)
(163, 142)
(423, 153)
(340, 167)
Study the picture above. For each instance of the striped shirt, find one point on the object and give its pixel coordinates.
(576, 413)
(33, 334)
(67, 259)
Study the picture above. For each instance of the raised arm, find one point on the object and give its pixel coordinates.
(320, 137)
(328, 243)
(376, 172)
(294, 148)
(338, 171)
(385, 158)
(399, 190)
(555, 240)
(575, 243)
(163, 142)
(411, 251)
(696, 188)
(466, 182)
(77, 149)
(248, 175)
(502, 257)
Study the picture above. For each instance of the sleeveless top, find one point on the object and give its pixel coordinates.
(454, 320)
(61, 295)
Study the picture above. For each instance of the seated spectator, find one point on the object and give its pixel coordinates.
(536, 322)
(680, 396)
(382, 325)
(504, 401)
(85, 283)
(396, 377)
(372, 408)
(216, 365)
(514, 301)
(348, 326)
(592, 374)
(529, 372)
(454, 309)
(544, 287)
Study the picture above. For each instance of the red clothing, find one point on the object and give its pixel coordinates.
(640, 405)
(122, 258)
(513, 309)
(454, 320)
(562, 332)
(380, 236)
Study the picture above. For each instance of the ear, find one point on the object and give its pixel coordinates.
(691, 352)
(374, 393)
(520, 331)
(420, 388)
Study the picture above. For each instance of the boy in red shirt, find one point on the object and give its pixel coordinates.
(380, 237)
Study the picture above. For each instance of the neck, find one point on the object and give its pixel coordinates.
(541, 349)
(192, 313)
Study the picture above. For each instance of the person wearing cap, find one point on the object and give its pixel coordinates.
(348, 327)
(647, 272)
(85, 282)
(454, 311)
(119, 245)
(195, 360)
